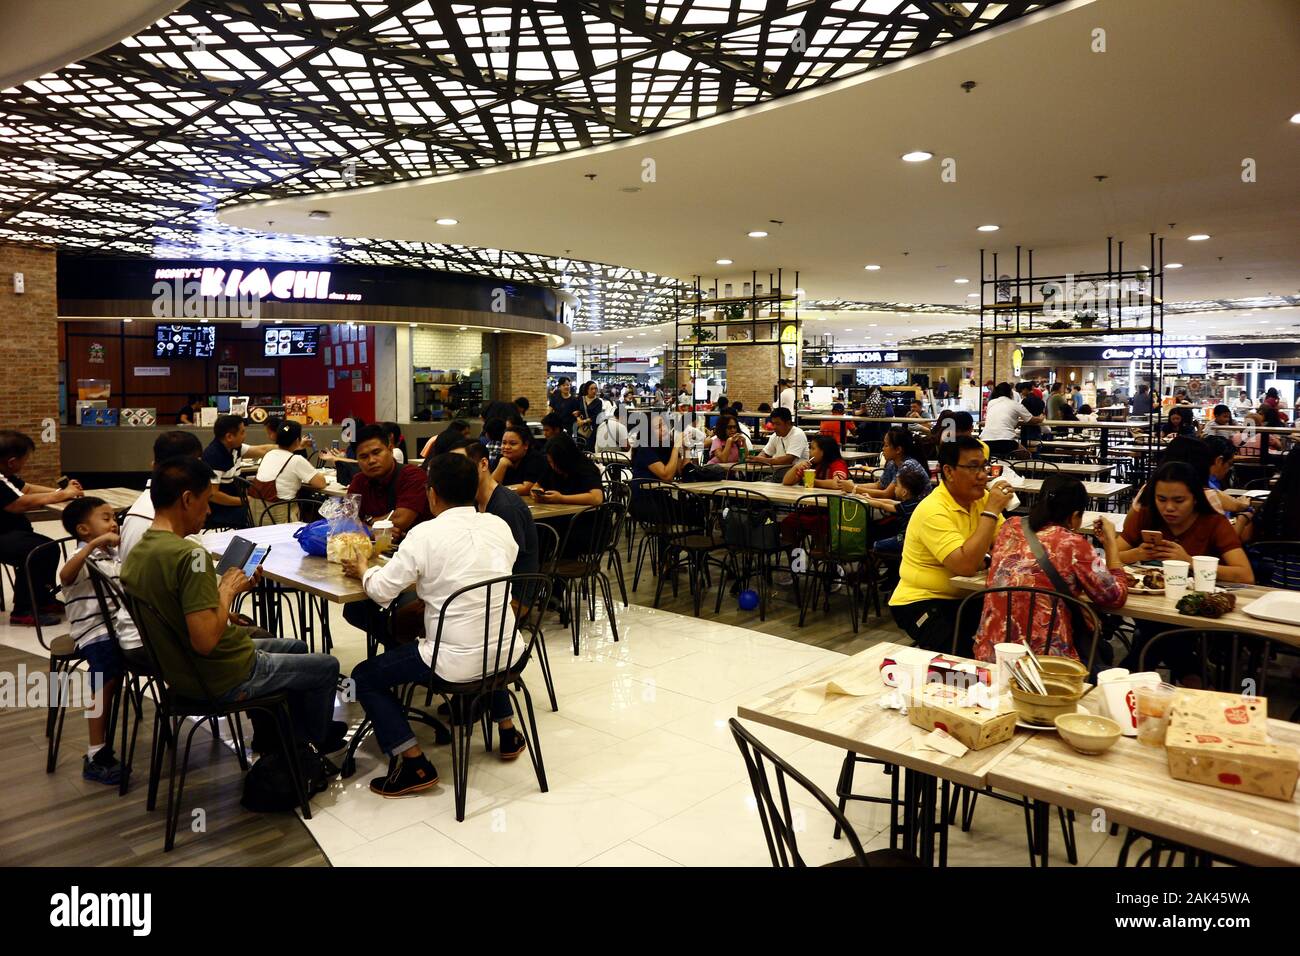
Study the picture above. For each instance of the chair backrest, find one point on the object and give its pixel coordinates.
(30, 576)
(592, 532)
(1035, 468)
(749, 520)
(107, 593)
(289, 512)
(154, 631)
(751, 471)
(653, 503)
(243, 485)
(1259, 484)
(1277, 563)
(781, 823)
(501, 651)
(1229, 661)
(1086, 626)
(548, 547)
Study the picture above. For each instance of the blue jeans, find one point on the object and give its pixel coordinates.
(375, 679)
(310, 679)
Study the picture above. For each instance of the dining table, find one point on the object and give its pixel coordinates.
(115, 498)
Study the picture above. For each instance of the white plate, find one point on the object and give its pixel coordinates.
(1280, 606)
(1028, 726)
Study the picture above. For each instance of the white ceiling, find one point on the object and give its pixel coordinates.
(40, 36)
(1184, 92)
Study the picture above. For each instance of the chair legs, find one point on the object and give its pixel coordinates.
(463, 738)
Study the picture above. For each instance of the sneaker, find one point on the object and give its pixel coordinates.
(101, 769)
(511, 743)
(406, 775)
(30, 620)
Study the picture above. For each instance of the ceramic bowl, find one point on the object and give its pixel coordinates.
(1062, 698)
(1065, 669)
(1088, 733)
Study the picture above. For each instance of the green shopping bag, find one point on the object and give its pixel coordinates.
(848, 518)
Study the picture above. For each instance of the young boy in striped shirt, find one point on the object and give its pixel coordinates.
(90, 520)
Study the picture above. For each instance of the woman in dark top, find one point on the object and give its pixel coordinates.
(570, 478)
(521, 465)
(1178, 423)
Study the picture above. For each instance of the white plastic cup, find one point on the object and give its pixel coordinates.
(1177, 580)
(1121, 699)
(1205, 573)
(1005, 656)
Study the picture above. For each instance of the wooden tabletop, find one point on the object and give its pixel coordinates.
(1094, 489)
(773, 490)
(116, 498)
(542, 511)
(1156, 607)
(861, 725)
(1131, 783)
(289, 565)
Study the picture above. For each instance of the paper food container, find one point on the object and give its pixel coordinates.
(941, 706)
(1232, 762)
(1221, 740)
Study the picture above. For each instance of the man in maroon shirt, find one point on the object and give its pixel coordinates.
(387, 488)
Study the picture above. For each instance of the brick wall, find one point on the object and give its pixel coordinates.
(446, 349)
(752, 371)
(521, 370)
(29, 385)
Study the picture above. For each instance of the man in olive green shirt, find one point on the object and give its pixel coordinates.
(226, 658)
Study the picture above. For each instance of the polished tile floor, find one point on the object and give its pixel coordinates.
(642, 767)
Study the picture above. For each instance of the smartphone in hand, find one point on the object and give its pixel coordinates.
(1152, 537)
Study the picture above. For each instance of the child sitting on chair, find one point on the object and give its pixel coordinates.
(90, 520)
(912, 487)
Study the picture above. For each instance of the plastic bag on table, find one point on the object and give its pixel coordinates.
(348, 535)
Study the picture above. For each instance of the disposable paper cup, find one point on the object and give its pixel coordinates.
(1152, 702)
(1121, 699)
(1112, 673)
(1205, 573)
(1177, 583)
(1005, 656)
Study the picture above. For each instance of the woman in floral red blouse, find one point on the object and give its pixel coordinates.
(1055, 519)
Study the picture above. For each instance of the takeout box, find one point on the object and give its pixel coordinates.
(1221, 740)
(942, 706)
(949, 670)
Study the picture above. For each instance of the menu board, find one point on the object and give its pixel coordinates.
(881, 376)
(288, 341)
(185, 341)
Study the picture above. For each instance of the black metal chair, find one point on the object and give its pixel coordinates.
(618, 493)
(136, 681)
(1259, 484)
(548, 552)
(689, 537)
(289, 511)
(780, 828)
(64, 656)
(652, 505)
(174, 708)
(828, 555)
(751, 536)
(587, 540)
(1036, 468)
(503, 663)
(1277, 563)
(752, 471)
(1058, 606)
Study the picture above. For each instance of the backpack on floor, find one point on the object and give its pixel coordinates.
(268, 786)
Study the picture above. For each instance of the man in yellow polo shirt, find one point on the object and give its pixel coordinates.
(950, 533)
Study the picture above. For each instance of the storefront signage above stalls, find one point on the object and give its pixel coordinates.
(1088, 354)
(1159, 351)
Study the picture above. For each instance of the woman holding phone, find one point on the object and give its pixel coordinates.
(1174, 521)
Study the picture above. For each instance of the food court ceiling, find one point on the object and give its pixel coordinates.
(1186, 139)
(133, 150)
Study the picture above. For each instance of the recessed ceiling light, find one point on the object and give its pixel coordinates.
(318, 214)
(446, 221)
(1295, 118)
(821, 318)
(871, 268)
(989, 228)
(961, 281)
(757, 234)
(917, 156)
(1199, 237)
(463, 328)
(1173, 265)
(848, 330)
(723, 262)
(872, 325)
(415, 325)
(972, 295)
(127, 321)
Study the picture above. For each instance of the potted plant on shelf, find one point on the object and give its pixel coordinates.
(1086, 319)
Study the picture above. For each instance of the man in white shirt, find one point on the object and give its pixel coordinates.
(611, 433)
(787, 444)
(139, 517)
(461, 546)
(786, 399)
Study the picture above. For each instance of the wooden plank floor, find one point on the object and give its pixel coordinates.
(59, 819)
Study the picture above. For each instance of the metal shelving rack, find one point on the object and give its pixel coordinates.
(1130, 302)
(596, 360)
(781, 309)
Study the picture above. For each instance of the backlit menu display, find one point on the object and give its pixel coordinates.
(185, 341)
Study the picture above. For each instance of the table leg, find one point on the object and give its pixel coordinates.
(928, 787)
(947, 797)
(1042, 830)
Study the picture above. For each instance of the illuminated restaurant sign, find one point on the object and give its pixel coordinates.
(258, 283)
(1158, 351)
(856, 358)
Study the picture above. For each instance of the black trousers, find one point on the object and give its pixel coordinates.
(14, 548)
(1002, 449)
(930, 625)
